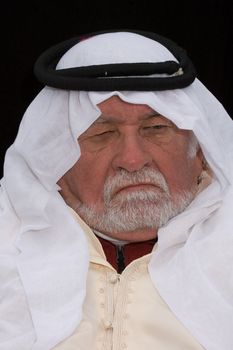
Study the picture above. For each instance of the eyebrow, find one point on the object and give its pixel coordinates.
(107, 120)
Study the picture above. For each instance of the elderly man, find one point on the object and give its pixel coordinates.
(116, 228)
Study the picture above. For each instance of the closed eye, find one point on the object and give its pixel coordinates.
(156, 132)
(156, 127)
(105, 132)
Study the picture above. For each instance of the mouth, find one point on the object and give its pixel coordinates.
(136, 187)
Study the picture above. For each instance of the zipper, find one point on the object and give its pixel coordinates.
(120, 258)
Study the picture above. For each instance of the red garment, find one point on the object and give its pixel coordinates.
(121, 256)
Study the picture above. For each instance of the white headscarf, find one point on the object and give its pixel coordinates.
(43, 251)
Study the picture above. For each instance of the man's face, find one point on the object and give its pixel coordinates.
(136, 171)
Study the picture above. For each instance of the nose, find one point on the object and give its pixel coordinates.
(131, 154)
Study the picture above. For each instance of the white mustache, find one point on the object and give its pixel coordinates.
(124, 179)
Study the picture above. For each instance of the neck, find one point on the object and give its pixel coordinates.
(110, 239)
(129, 237)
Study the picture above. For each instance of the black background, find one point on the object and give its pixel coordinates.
(203, 28)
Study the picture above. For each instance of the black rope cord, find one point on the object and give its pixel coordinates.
(119, 76)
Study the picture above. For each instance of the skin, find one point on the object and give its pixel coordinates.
(130, 137)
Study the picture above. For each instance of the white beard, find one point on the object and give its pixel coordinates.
(137, 210)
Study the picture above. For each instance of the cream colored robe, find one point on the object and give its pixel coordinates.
(124, 311)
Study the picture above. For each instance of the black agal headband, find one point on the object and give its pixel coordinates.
(117, 76)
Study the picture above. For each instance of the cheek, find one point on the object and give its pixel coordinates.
(179, 170)
(90, 174)
(185, 175)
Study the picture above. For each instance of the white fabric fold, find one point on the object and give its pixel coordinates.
(198, 288)
(43, 254)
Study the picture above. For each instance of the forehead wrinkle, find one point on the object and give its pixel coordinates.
(104, 119)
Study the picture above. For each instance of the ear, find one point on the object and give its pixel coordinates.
(66, 193)
(201, 158)
(206, 174)
(205, 166)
